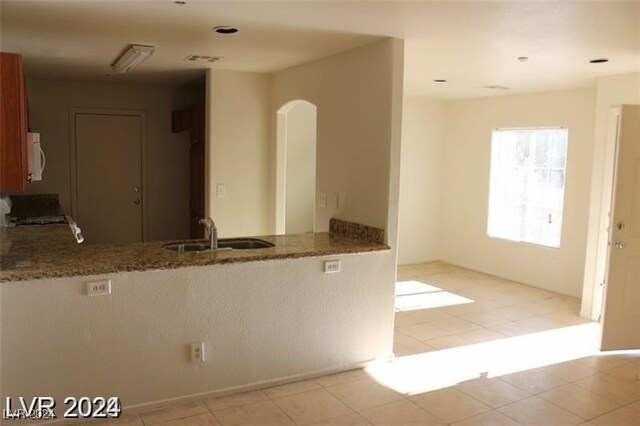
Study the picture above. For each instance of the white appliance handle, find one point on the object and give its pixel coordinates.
(44, 160)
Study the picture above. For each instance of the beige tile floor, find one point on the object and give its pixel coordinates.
(447, 368)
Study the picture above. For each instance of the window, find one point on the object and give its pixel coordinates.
(527, 185)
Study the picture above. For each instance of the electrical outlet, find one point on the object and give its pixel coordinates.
(98, 288)
(331, 266)
(197, 352)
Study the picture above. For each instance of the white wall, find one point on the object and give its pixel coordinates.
(611, 91)
(354, 95)
(167, 166)
(238, 153)
(354, 132)
(421, 183)
(465, 196)
(300, 174)
(260, 322)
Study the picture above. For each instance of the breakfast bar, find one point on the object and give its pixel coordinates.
(51, 251)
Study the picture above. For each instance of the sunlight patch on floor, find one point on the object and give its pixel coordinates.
(404, 288)
(415, 374)
(412, 295)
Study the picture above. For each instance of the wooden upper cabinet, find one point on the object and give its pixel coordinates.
(13, 124)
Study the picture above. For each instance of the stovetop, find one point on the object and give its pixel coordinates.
(37, 220)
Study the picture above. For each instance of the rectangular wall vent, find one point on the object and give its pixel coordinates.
(202, 58)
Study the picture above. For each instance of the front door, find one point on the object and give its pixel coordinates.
(108, 150)
(621, 316)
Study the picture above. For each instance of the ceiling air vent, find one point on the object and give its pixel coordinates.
(202, 58)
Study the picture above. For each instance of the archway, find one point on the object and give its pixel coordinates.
(296, 168)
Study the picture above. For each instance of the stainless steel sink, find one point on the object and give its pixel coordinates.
(187, 247)
(244, 243)
(228, 244)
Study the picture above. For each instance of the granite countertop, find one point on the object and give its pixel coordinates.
(50, 251)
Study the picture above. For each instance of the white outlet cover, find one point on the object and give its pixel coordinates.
(99, 288)
(331, 266)
(197, 352)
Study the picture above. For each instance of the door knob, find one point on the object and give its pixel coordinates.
(136, 189)
(136, 201)
(620, 245)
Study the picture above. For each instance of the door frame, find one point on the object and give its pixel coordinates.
(73, 158)
(282, 117)
(593, 291)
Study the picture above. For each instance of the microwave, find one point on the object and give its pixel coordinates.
(36, 158)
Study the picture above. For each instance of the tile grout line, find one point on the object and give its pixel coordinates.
(295, 393)
(528, 391)
(273, 400)
(427, 411)
(590, 418)
(403, 396)
(503, 405)
(470, 396)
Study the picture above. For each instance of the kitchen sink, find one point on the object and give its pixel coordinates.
(225, 244)
(244, 243)
(187, 247)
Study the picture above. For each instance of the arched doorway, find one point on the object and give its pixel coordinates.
(296, 168)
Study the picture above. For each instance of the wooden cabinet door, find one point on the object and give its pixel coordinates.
(13, 124)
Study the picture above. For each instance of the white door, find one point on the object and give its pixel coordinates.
(621, 316)
(108, 151)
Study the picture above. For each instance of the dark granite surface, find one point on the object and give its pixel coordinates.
(34, 205)
(38, 252)
(356, 230)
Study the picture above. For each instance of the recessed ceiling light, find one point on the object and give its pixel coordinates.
(496, 87)
(523, 58)
(440, 80)
(225, 29)
(599, 61)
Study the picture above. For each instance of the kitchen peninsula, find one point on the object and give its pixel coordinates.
(51, 251)
(264, 316)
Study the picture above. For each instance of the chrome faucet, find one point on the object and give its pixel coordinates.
(211, 230)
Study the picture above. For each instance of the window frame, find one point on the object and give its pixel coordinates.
(494, 169)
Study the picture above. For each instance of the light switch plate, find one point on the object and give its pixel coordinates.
(322, 199)
(98, 288)
(221, 190)
(335, 200)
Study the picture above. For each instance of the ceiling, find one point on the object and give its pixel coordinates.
(470, 44)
